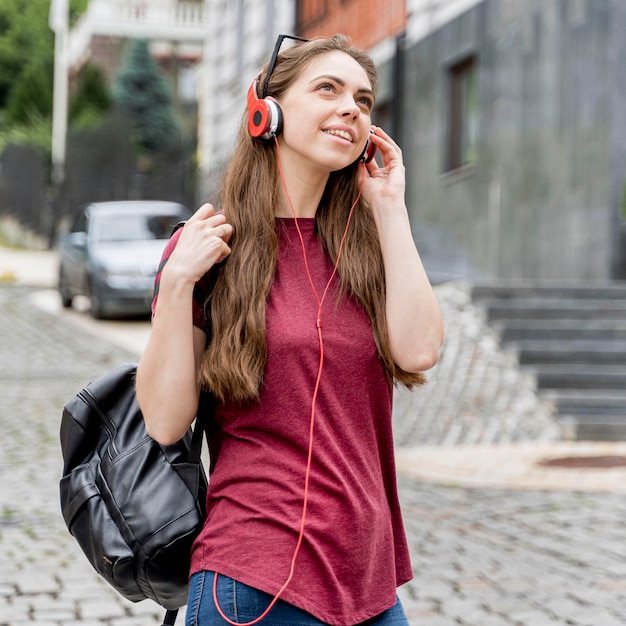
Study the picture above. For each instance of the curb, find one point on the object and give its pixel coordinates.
(520, 466)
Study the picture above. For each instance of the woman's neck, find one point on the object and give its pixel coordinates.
(300, 190)
(298, 203)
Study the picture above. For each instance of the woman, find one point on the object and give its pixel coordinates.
(298, 315)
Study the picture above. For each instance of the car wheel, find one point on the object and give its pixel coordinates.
(96, 308)
(64, 292)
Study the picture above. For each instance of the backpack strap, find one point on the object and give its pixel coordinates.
(170, 617)
(205, 407)
(195, 448)
(178, 225)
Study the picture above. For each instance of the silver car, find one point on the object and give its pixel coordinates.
(112, 254)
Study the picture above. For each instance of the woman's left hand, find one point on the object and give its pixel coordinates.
(384, 185)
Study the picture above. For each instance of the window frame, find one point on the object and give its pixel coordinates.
(462, 114)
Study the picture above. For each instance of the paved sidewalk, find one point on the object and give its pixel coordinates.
(496, 539)
(44, 578)
(28, 267)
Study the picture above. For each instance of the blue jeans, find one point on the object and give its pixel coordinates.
(241, 604)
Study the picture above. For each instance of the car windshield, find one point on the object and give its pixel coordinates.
(129, 227)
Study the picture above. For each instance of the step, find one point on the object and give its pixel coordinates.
(513, 289)
(579, 375)
(559, 329)
(560, 309)
(585, 401)
(577, 396)
(593, 427)
(572, 337)
(571, 351)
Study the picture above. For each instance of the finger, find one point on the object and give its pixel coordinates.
(224, 253)
(379, 132)
(206, 222)
(384, 140)
(229, 232)
(371, 168)
(223, 231)
(205, 211)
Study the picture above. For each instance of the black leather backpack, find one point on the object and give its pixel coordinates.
(134, 506)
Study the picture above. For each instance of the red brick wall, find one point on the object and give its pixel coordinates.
(366, 22)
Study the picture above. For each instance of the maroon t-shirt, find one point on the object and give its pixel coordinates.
(354, 553)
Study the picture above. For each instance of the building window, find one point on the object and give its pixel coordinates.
(462, 114)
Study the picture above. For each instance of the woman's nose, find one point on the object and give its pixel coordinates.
(348, 107)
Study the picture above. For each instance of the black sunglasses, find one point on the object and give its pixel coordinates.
(270, 67)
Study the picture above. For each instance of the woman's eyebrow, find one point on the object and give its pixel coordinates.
(342, 82)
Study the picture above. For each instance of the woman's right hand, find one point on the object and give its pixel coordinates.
(203, 243)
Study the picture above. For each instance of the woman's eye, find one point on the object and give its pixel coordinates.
(325, 87)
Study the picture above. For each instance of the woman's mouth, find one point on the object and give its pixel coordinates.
(344, 134)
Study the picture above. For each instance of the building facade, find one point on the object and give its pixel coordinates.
(367, 22)
(239, 38)
(175, 28)
(511, 119)
(515, 140)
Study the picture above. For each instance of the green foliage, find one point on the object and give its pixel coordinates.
(77, 8)
(141, 93)
(91, 98)
(38, 134)
(26, 69)
(26, 42)
(31, 96)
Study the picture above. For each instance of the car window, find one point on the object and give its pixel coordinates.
(80, 226)
(161, 226)
(111, 228)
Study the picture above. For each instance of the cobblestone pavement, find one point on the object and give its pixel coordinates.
(482, 557)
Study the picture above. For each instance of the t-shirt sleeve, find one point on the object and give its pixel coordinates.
(200, 291)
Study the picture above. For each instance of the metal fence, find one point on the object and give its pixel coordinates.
(100, 165)
(23, 188)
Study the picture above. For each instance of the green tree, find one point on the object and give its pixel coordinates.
(30, 99)
(26, 43)
(26, 69)
(141, 93)
(91, 98)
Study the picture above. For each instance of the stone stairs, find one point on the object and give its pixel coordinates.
(572, 338)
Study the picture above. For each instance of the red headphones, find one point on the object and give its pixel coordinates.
(265, 119)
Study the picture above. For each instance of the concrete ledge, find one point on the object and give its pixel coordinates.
(515, 466)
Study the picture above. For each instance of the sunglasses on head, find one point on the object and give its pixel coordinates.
(272, 64)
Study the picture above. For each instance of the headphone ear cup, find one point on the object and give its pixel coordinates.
(275, 119)
(265, 118)
(369, 152)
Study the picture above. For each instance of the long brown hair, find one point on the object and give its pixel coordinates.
(233, 363)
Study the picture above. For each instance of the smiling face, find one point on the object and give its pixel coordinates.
(327, 113)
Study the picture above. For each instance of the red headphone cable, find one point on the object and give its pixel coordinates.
(318, 323)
